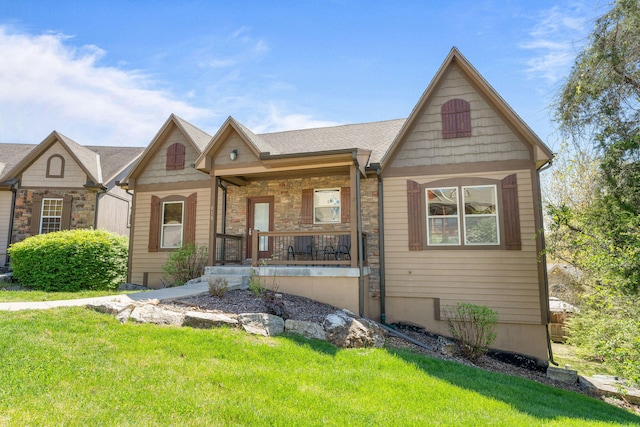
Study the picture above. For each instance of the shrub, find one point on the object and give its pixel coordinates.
(185, 264)
(217, 286)
(71, 260)
(473, 326)
(255, 284)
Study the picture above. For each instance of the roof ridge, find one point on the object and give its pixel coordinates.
(332, 127)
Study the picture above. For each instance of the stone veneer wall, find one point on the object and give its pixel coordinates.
(287, 194)
(82, 210)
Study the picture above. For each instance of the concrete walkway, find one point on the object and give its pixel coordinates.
(165, 294)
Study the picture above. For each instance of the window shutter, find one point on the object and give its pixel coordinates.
(154, 224)
(175, 157)
(456, 118)
(190, 219)
(306, 215)
(345, 205)
(511, 213)
(414, 212)
(65, 221)
(36, 210)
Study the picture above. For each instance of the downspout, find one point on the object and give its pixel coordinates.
(359, 234)
(383, 312)
(14, 191)
(544, 264)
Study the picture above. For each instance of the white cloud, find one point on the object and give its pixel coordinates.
(557, 38)
(277, 121)
(47, 84)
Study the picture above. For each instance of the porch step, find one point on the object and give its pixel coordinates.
(237, 277)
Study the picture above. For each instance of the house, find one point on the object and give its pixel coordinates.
(60, 184)
(394, 220)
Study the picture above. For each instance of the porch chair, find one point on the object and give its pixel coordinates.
(302, 245)
(343, 248)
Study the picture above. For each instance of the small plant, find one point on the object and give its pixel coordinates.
(255, 284)
(185, 264)
(473, 326)
(217, 286)
(272, 298)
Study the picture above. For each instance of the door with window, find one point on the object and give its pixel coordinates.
(260, 217)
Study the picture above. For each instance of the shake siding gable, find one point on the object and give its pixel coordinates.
(35, 175)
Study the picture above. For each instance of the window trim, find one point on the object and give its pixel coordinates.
(459, 183)
(163, 204)
(49, 174)
(42, 215)
(339, 206)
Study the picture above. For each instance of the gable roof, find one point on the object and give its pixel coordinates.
(100, 163)
(195, 136)
(542, 153)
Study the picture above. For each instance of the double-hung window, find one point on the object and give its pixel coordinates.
(51, 215)
(326, 206)
(172, 222)
(462, 216)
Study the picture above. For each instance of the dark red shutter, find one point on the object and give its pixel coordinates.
(511, 213)
(414, 212)
(345, 205)
(306, 215)
(36, 210)
(175, 156)
(456, 118)
(65, 221)
(190, 219)
(154, 224)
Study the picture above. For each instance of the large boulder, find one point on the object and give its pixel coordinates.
(197, 319)
(149, 313)
(264, 324)
(306, 329)
(345, 331)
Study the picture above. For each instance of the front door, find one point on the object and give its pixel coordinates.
(260, 217)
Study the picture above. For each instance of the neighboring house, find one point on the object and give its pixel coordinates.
(59, 184)
(394, 220)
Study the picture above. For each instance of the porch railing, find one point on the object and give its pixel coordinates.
(305, 248)
(228, 249)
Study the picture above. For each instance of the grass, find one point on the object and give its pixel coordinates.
(565, 354)
(36, 296)
(72, 366)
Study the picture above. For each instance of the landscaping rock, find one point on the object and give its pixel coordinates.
(149, 313)
(264, 324)
(109, 307)
(306, 329)
(345, 331)
(568, 376)
(132, 287)
(197, 319)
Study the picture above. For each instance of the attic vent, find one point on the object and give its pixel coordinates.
(175, 157)
(456, 118)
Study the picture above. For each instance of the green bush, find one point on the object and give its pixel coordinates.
(185, 264)
(473, 326)
(71, 260)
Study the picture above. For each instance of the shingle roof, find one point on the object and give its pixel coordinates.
(115, 159)
(376, 136)
(11, 154)
(199, 137)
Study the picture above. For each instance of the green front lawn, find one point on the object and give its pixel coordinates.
(36, 296)
(71, 366)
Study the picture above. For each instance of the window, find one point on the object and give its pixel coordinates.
(51, 215)
(456, 118)
(479, 216)
(464, 213)
(326, 206)
(172, 222)
(172, 219)
(175, 157)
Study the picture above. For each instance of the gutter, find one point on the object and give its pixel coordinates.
(544, 264)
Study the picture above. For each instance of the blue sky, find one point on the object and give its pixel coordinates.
(111, 72)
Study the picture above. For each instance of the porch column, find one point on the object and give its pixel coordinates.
(353, 172)
(213, 219)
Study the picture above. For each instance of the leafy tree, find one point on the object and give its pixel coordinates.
(600, 101)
